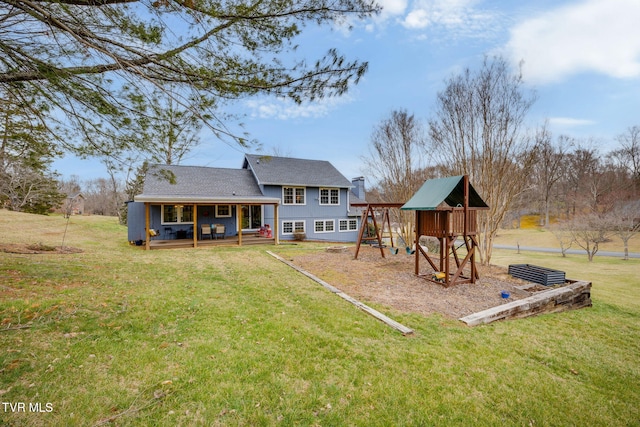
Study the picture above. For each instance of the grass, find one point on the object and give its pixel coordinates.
(229, 336)
(531, 234)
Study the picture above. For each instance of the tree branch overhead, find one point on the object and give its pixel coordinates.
(65, 50)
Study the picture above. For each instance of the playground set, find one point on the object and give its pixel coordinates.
(445, 209)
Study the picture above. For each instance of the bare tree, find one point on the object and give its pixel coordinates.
(591, 182)
(70, 188)
(589, 231)
(548, 166)
(116, 190)
(477, 131)
(25, 189)
(280, 151)
(396, 161)
(563, 233)
(624, 220)
(100, 198)
(628, 155)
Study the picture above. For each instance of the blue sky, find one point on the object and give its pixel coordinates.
(582, 59)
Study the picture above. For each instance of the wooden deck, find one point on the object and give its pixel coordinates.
(247, 239)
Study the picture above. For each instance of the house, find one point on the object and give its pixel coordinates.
(73, 205)
(267, 200)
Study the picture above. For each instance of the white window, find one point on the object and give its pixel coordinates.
(348, 225)
(329, 196)
(324, 226)
(290, 227)
(293, 195)
(223, 211)
(177, 214)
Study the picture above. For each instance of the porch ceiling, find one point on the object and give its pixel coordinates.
(201, 200)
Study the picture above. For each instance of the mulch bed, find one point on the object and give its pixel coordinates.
(36, 248)
(391, 282)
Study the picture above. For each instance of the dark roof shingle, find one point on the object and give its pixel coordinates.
(199, 181)
(272, 170)
(198, 184)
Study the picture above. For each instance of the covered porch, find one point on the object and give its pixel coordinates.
(199, 226)
(245, 240)
(191, 206)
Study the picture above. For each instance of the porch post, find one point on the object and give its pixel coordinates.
(418, 229)
(239, 215)
(147, 221)
(275, 223)
(195, 225)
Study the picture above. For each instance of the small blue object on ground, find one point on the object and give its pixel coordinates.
(505, 294)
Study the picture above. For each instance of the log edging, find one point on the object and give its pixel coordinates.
(373, 312)
(574, 295)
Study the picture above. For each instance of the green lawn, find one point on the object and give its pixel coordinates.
(231, 336)
(540, 237)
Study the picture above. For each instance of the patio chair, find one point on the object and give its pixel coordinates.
(168, 232)
(205, 230)
(219, 230)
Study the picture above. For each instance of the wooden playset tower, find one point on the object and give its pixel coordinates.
(447, 209)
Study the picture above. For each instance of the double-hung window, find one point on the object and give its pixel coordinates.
(324, 226)
(290, 227)
(223, 211)
(348, 225)
(177, 214)
(293, 195)
(329, 196)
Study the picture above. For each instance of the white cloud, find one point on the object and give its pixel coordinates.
(417, 19)
(459, 18)
(286, 109)
(567, 122)
(593, 35)
(393, 7)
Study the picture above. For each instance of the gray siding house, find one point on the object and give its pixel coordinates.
(267, 200)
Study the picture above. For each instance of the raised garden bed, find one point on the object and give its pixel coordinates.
(533, 273)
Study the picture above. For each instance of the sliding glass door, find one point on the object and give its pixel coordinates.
(251, 217)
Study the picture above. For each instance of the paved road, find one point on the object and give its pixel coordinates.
(569, 251)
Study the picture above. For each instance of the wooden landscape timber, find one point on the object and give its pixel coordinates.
(574, 295)
(373, 312)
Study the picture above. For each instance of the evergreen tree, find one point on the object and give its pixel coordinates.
(78, 55)
(26, 183)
